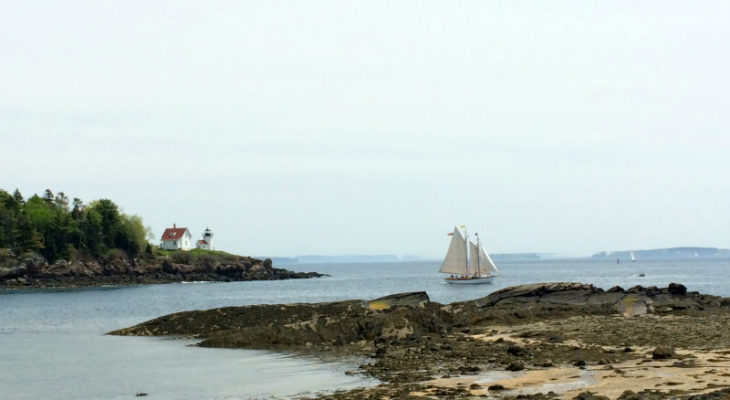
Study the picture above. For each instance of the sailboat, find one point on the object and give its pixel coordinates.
(467, 263)
(633, 258)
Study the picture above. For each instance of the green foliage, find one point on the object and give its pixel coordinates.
(18, 197)
(181, 257)
(110, 220)
(132, 235)
(39, 212)
(50, 226)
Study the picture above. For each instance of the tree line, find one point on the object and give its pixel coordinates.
(59, 228)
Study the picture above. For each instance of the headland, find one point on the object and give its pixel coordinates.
(52, 241)
(31, 270)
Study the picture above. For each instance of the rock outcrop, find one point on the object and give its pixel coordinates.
(404, 315)
(544, 299)
(32, 270)
(408, 341)
(296, 325)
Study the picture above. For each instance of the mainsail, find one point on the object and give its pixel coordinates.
(455, 261)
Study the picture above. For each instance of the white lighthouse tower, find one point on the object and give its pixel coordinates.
(207, 242)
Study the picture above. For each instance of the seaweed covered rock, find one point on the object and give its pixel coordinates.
(569, 298)
(285, 325)
(405, 339)
(403, 315)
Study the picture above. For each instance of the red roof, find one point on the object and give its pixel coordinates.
(173, 233)
(201, 241)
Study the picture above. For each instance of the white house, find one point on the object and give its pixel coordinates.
(207, 241)
(176, 239)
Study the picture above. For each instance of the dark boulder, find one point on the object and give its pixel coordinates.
(515, 366)
(517, 351)
(662, 353)
(589, 396)
(677, 289)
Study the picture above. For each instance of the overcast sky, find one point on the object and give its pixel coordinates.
(317, 127)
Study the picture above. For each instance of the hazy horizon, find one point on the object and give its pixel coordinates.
(325, 127)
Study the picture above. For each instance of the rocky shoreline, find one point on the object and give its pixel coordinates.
(540, 341)
(33, 271)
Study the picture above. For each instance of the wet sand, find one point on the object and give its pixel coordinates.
(691, 371)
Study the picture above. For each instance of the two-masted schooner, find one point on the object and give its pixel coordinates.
(467, 263)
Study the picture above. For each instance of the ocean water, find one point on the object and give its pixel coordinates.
(52, 342)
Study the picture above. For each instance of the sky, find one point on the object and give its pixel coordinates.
(330, 127)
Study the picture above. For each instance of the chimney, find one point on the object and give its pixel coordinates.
(174, 226)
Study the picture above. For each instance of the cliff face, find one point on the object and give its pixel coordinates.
(32, 270)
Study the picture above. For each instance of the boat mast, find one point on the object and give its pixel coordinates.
(479, 256)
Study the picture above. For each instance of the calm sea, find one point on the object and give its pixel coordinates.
(52, 344)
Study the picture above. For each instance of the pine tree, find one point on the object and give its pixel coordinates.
(18, 197)
(49, 197)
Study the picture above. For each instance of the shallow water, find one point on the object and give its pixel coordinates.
(52, 366)
(583, 378)
(52, 344)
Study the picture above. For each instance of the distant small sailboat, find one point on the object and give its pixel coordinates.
(467, 263)
(633, 258)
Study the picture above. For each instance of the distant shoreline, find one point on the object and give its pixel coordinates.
(673, 253)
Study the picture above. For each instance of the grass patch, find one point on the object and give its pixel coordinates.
(195, 255)
(197, 252)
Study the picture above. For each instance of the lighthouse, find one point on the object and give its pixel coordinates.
(208, 237)
(207, 242)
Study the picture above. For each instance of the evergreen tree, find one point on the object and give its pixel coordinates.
(18, 197)
(49, 197)
(110, 220)
(61, 201)
(92, 231)
(45, 225)
(76, 212)
(7, 219)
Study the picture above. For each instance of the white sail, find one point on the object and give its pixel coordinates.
(487, 263)
(455, 261)
(633, 258)
(474, 264)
